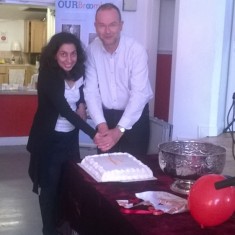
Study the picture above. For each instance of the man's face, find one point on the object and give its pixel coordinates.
(108, 27)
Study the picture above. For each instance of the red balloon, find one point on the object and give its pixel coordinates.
(209, 206)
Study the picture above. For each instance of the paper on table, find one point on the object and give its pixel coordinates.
(166, 202)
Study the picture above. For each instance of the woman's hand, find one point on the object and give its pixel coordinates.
(108, 139)
(81, 111)
(102, 141)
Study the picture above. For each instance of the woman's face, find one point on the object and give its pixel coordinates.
(67, 56)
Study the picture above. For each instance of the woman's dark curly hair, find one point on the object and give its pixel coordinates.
(48, 56)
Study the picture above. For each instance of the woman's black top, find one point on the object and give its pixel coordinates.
(51, 103)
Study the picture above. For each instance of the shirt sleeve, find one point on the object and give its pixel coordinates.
(140, 88)
(91, 91)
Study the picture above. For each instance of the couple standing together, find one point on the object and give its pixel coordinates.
(116, 91)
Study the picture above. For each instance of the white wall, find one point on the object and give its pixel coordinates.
(166, 26)
(32, 2)
(143, 26)
(15, 32)
(198, 83)
(231, 70)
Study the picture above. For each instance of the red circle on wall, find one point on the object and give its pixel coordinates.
(3, 38)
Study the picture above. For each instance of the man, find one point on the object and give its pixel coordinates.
(117, 88)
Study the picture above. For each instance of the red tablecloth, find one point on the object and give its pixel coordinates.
(91, 207)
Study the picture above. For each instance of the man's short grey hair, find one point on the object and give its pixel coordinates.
(108, 6)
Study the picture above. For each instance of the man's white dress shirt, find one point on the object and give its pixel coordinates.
(117, 81)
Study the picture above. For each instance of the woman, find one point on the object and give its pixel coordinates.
(53, 138)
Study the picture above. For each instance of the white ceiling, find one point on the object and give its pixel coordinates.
(21, 12)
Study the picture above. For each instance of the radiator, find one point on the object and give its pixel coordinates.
(160, 131)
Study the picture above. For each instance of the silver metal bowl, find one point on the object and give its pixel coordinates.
(186, 161)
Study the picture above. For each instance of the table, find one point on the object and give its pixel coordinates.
(91, 207)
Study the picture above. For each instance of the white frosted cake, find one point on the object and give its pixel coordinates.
(116, 167)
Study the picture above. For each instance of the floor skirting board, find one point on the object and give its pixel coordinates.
(22, 140)
(6, 141)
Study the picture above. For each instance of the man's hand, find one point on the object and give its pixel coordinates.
(102, 127)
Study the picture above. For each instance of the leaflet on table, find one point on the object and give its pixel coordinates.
(154, 202)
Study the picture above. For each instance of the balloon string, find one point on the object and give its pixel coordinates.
(225, 183)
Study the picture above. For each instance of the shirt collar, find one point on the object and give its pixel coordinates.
(75, 86)
(116, 51)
